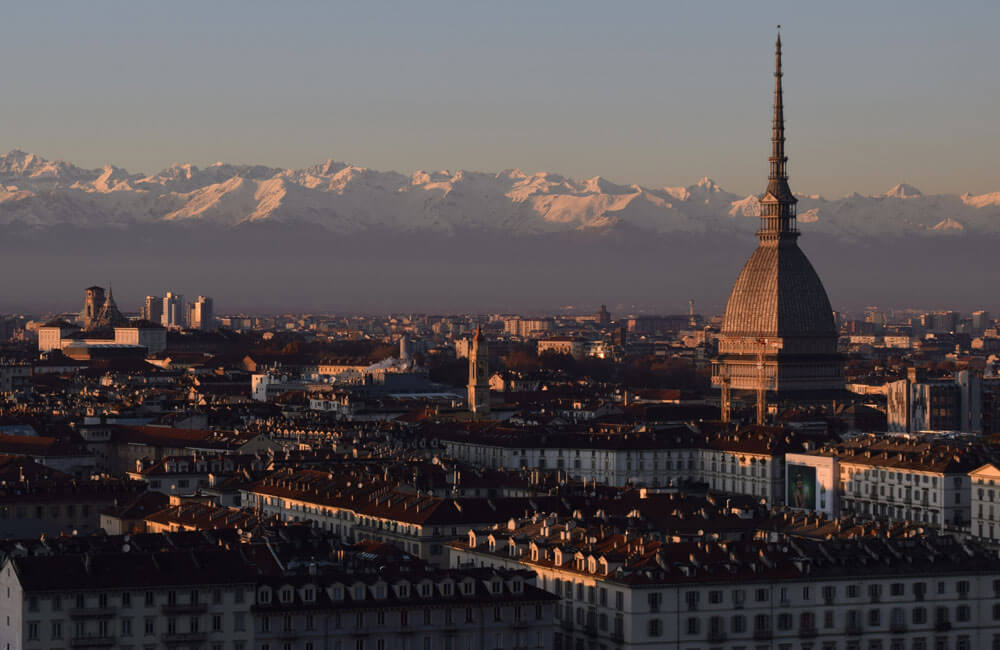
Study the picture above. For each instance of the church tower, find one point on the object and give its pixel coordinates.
(93, 302)
(479, 375)
(779, 338)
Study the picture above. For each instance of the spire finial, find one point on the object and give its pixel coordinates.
(778, 203)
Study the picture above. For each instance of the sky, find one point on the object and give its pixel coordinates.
(657, 93)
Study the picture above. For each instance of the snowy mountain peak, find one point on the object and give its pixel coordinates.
(707, 183)
(903, 191)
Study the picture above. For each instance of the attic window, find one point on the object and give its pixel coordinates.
(496, 587)
(285, 595)
(264, 596)
(359, 592)
(515, 586)
(309, 594)
(404, 590)
(446, 589)
(425, 589)
(467, 588)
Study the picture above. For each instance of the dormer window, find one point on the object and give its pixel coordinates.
(338, 593)
(496, 587)
(467, 588)
(515, 586)
(380, 591)
(359, 592)
(404, 590)
(309, 594)
(264, 596)
(425, 590)
(285, 595)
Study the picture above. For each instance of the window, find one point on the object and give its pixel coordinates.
(693, 625)
(715, 597)
(655, 627)
(784, 621)
(691, 598)
(654, 601)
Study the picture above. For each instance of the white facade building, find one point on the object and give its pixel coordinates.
(630, 592)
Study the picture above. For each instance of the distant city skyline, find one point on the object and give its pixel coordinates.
(646, 93)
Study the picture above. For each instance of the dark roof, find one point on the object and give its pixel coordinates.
(123, 570)
(778, 293)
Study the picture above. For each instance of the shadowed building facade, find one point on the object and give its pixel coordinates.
(778, 332)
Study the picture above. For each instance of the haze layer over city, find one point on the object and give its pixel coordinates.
(548, 327)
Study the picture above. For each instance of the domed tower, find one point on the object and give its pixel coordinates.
(779, 337)
(479, 375)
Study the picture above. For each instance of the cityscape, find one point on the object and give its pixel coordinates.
(791, 469)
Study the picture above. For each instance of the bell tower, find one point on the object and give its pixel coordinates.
(479, 376)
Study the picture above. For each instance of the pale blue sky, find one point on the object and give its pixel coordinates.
(659, 93)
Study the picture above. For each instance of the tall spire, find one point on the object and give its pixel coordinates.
(778, 159)
(777, 205)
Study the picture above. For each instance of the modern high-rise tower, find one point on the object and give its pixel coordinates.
(173, 311)
(778, 337)
(479, 375)
(202, 314)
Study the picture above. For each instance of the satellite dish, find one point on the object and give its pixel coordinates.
(126, 548)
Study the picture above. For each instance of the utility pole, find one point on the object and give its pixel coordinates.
(761, 382)
(726, 395)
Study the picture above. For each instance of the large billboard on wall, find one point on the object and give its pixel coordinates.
(801, 486)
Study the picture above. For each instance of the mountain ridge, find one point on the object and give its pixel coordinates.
(344, 198)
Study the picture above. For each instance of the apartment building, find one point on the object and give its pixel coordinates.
(397, 608)
(747, 461)
(985, 497)
(371, 509)
(628, 590)
(922, 479)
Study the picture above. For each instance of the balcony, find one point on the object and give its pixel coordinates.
(185, 637)
(92, 612)
(853, 628)
(92, 642)
(190, 608)
(566, 624)
(716, 636)
(897, 627)
(762, 635)
(808, 631)
(618, 636)
(590, 629)
(942, 626)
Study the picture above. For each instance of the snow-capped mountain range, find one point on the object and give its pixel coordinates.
(342, 198)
